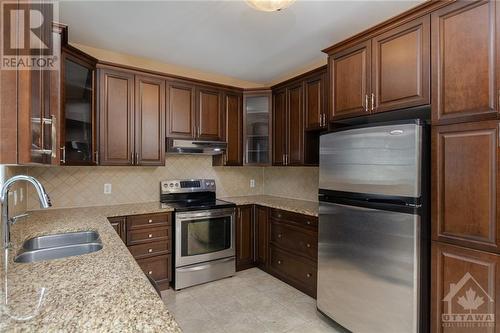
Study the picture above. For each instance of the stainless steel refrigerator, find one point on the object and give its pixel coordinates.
(373, 255)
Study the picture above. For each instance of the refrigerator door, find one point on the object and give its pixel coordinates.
(368, 268)
(374, 160)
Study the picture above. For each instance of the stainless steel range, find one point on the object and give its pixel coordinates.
(204, 231)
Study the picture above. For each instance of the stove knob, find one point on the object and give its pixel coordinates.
(176, 184)
(171, 184)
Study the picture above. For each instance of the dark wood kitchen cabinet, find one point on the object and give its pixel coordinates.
(149, 239)
(194, 112)
(262, 236)
(132, 118)
(465, 62)
(350, 80)
(209, 114)
(465, 184)
(455, 272)
(78, 126)
(180, 110)
(279, 126)
(233, 119)
(245, 237)
(401, 67)
(295, 125)
(116, 96)
(315, 102)
(388, 72)
(149, 120)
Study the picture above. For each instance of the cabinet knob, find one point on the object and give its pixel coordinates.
(278, 215)
(280, 262)
(150, 272)
(308, 275)
(150, 221)
(150, 235)
(308, 245)
(280, 235)
(308, 222)
(150, 250)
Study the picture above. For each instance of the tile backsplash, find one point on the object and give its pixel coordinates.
(292, 182)
(84, 186)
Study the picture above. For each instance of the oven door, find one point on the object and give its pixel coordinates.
(202, 236)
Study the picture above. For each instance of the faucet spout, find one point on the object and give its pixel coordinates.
(43, 197)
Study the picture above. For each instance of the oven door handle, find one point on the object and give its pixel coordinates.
(199, 268)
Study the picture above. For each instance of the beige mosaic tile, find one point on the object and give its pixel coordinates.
(292, 182)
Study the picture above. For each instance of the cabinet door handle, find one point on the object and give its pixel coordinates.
(54, 136)
(96, 157)
(131, 158)
(373, 101)
(63, 155)
(366, 103)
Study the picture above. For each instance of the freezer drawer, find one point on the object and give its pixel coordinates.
(368, 268)
(375, 160)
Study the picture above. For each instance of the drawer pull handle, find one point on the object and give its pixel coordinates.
(150, 272)
(150, 235)
(150, 221)
(308, 275)
(308, 245)
(280, 262)
(280, 235)
(150, 250)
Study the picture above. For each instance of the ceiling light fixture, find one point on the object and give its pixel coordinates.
(270, 5)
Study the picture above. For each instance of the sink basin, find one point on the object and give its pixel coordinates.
(68, 238)
(59, 246)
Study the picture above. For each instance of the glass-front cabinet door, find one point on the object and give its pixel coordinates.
(257, 119)
(78, 144)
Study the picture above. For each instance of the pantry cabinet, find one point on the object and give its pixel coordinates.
(388, 72)
(456, 273)
(465, 62)
(465, 173)
(132, 111)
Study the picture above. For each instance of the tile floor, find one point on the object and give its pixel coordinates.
(252, 301)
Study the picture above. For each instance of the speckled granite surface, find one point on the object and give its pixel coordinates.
(105, 291)
(293, 205)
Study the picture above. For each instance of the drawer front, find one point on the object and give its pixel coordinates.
(300, 219)
(300, 240)
(147, 235)
(150, 249)
(148, 220)
(156, 267)
(298, 272)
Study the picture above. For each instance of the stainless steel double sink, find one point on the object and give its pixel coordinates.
(58, 246)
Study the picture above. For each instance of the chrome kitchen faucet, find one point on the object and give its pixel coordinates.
(4, 201)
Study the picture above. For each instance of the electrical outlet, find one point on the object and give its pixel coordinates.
(107, 188)
(252, 183)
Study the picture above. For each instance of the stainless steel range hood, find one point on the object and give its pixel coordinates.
(175, 146)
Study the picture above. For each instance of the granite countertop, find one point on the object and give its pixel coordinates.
(293, 205)
(99, 292)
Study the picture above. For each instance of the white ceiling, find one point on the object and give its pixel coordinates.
(224, 37)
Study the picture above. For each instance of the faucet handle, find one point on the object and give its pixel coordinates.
(14, 219)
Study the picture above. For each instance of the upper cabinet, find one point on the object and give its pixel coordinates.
(78, 113)
(233, 115)
(350, 77)
(180, 110)
(299, 114)
(194, 112)
(387, 72)
(464, 62)
(132, 113)
(401, 67)
(209, 114)
(257, 127)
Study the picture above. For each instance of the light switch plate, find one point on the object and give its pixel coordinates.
(252, 183)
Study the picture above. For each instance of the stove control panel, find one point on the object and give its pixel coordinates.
(187, 185)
